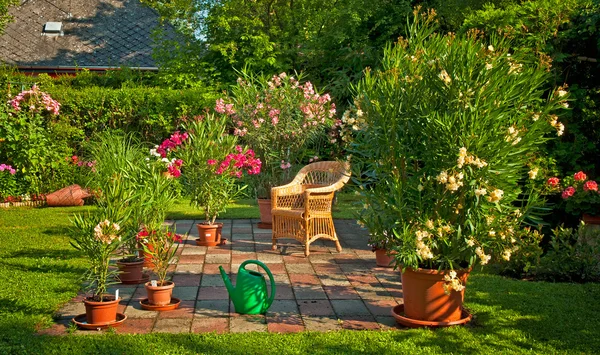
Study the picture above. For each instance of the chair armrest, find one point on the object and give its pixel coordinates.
(287, 196)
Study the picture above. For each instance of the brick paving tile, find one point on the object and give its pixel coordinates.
(304, 279)
(380, 307)
(276, 269)
(374, 293)
(185, 293)
(219, 325)
(241, 231)
(316, 308)
(212, 280)
(326, 269)
(322, 258)
(280, 324)
(136, 326)
(269, 258)
(304, 268)
(364, 280)
(185, 310)
(213, 269)
(186, 280)
(247, 323)
(218, 250)
(189, 269)
(321, 324)
(283, 308)
(172, 325)
(282, 279)
(356, 269)
(341, 292)
(309, 293)
(134, 310)
(350, 308)
(218, 259)
(387, 322)
(191, 259)
(295, 259)
(284, 292)
(242, 249)
(212, 308)
(240, 258)
(213, 293)
(334, 280)
(359, 323)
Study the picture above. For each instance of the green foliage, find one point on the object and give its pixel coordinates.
(452, 13)
(452, 128)
(5, 18)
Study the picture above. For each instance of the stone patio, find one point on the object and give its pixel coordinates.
(327, 291)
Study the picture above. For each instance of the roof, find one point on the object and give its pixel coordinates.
(96, 33)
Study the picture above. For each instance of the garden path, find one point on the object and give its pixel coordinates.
(327, 291)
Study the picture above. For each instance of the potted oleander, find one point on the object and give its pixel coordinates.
(452, 129)
(98, 238)
(213, 171)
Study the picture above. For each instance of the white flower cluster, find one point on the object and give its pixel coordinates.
(465, 158)
(495, 195)
(533, 173)
(560, 128)
(453, 182)
(422, 249)
(513, 135)
(443, 75)
(452, 283)
(482, 255)
(106, 232)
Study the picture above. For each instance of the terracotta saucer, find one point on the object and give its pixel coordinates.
(173, 305)
(398, 313)
(211, 244)
(81, 322)
(263, 225)
(145, 278)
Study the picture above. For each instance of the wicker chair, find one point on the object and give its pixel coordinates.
(302, 208)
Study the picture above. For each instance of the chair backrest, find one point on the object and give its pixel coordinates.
(324, 173)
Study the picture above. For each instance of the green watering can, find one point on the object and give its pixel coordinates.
(250, 293)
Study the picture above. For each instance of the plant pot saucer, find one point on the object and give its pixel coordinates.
(169, 307)
(398, 313)
(211, 244)
(81, 321)
(145, 278)
(264, 225)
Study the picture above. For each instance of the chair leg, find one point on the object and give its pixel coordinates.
(274, 244)
(338, 246)
(306, 249)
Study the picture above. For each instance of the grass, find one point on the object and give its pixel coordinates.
(41, 272)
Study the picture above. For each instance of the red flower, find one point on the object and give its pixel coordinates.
(553, 181)
(580, 176)
(590, 186)
(568, 192)
(211, 162)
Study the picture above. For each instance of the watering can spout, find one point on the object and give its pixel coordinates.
(227, 281)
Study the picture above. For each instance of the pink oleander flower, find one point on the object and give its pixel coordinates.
(211, 162)
(568, 192)
(590, 186)
(220, 106)
(553, 181)
(580, 176)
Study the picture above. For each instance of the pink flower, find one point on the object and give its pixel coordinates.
(580, 176)
(275, 120)
(590, 186)
(553, 181)
(568, 192)
(220, 106)
(211, 162)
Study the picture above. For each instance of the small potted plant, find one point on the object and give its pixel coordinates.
(214, 167)
(161, 245)
(277, 117)
(580, 196)
(98, 239)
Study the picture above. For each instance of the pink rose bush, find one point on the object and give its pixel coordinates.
(579, 194)
(35, 100)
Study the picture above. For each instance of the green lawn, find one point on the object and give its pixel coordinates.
(41, 272)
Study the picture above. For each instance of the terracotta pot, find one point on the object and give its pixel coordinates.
(383, 259)
(266, 219)
(219, 230)
(72, 195)
(208, 234)
(159, 295)
(588, 219)
(99, 313)
(424, 297)
(131, 272)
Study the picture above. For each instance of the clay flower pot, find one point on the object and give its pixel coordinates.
(264, 207)
(72, 195)
(159, 295)
(209, 235)
(383, 259)
(132, 272)
(100, 313)
(424, 297)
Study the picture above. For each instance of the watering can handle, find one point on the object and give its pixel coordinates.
(264, 267)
